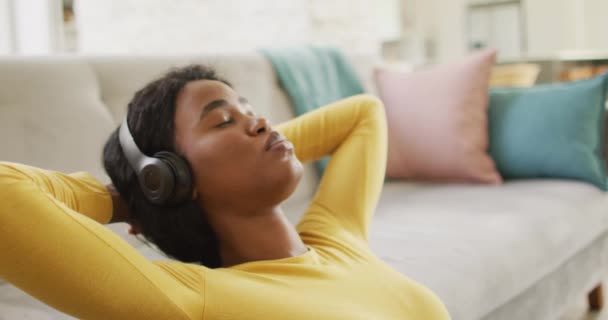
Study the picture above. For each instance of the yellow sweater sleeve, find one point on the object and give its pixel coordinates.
(53, 247)
(354, 132)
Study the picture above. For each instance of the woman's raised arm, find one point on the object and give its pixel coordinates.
(53, 247)
(354, 132)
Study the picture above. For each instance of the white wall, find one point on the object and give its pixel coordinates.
(552, 26)
(438, 28)
(389, 19)
(164, 26)
(6, 46)
(596, 24)
(566, 25)
(38, 26)
(450, 36)
(350, 24)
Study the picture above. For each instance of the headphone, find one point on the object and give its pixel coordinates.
(164, 178)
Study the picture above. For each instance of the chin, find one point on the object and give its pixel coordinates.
(289, 178)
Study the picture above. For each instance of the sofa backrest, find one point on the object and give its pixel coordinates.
(52, 115)
(57, 112)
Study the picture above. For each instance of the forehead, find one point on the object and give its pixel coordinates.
(200, 92)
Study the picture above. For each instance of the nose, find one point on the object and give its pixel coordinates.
(259, 125)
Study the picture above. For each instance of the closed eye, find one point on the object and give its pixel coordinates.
(225, 123)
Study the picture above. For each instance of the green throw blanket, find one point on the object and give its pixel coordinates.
(313, 77)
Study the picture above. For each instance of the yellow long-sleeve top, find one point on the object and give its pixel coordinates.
(53, 244)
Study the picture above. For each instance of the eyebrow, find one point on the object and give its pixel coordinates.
(218, 104)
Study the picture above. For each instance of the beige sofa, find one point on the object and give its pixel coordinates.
(524, 250)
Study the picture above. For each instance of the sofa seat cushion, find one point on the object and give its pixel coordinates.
(477, 246)
(16, 304)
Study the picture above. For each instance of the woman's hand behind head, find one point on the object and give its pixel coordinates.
(120, 210)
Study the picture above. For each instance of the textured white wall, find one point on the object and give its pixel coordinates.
(349, 24)
(166, 26)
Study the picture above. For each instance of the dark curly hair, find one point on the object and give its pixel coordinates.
(181, 231)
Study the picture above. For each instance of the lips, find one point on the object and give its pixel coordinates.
(273, 138)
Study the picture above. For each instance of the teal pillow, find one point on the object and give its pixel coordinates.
(550, 131)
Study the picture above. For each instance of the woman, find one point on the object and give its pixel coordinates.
(240, 258)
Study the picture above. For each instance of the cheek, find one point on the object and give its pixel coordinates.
(222, 161)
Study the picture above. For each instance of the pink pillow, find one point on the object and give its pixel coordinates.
(437, 121)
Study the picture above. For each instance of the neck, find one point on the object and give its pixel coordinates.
(267, 235)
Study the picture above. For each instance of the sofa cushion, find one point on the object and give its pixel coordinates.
(561, 293)
(551, 130)
(52, 115)
(477, 247)
(121, 76)
(16, 304)
(437, 121)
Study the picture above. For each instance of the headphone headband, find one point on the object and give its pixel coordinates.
(129, 147)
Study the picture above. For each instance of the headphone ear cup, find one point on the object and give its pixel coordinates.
(157, 180)
(182, 177)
